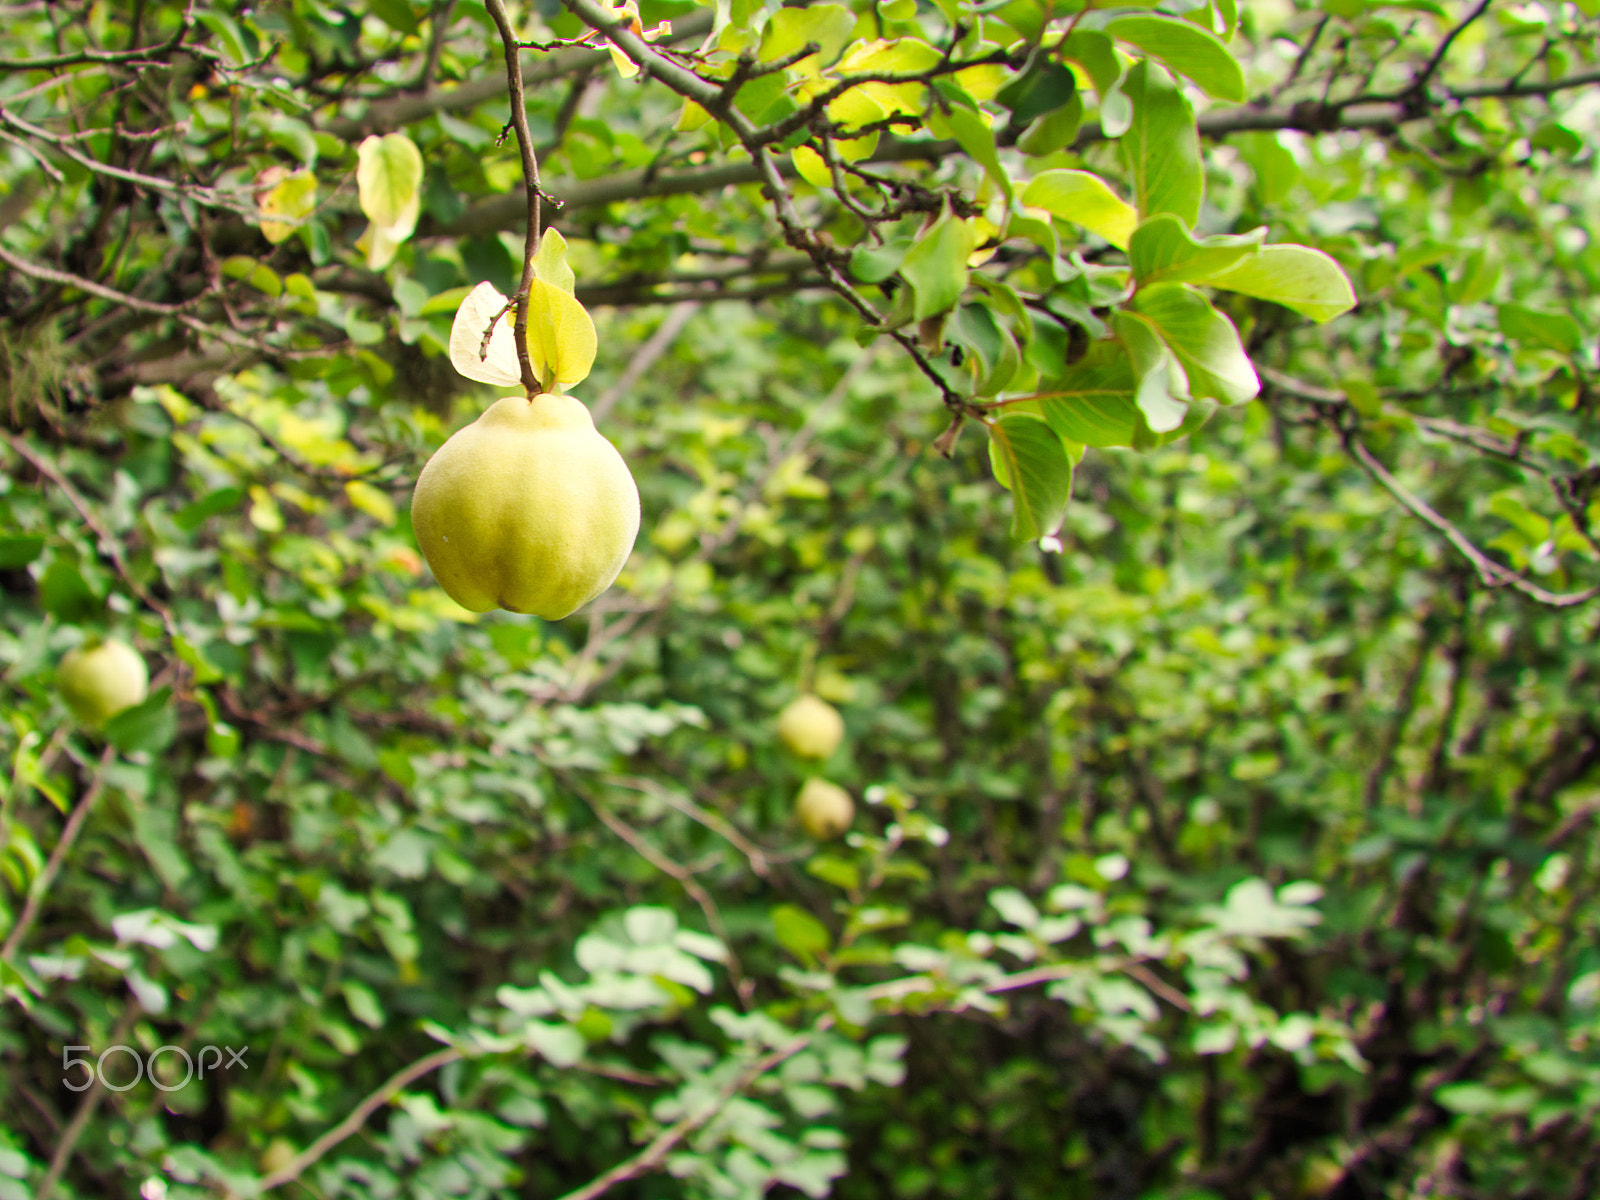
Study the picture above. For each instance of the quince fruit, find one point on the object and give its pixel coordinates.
(810, 727)
(99, 680)
(825, 809)
(528, 508)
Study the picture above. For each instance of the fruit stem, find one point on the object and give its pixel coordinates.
(530, 179)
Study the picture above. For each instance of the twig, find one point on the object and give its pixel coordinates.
(642, 846)
(108, 544)
(52, 275)
(1492, 573)
(81, 1118)
(758, 858)
(1431, 67)
(292, 1169)
(530, 176)
(655, 1153)
(107, 56)
(69, 834)
(441, 17)
(208, 196)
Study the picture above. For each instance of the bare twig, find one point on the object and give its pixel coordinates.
(530, 177)
(645, 357)
(653, 1155)
(69, 834)
(108, 544)
(85, 1114)
(391, 1087)
(141, 54)
(1490, 572)
(1431, 67)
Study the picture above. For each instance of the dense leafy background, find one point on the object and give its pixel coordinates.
(1243, 847)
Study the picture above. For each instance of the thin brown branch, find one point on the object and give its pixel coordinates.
(653, 1155)
(1492, 574)
(108, 544)
(40, 887)
(530, 178)
(144, 55)
(86, 1109)
(387, 1091)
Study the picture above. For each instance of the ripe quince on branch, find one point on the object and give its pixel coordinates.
(528, 508)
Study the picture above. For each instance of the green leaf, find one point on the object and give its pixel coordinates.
(257, 274)
(65, 593)
(228, 33)
(1163, 250)
(18, 550)
(1085, 199)
(1054, 131)
(1275, 167)
(1297, 277)
(828, 25)
(1162, 146)
(149, 726)
(977, 139)
(1163, 390)
(801, 934)
(397, 15)
(1093, 402)
(1042, 88)
(1095, 53)
(190, 516)
(1552, 330)
(1031, 462)
(1205, 341)
(1188, 49)
(936, 266)
(294, 136)
(1477, 277)
(363, 1003)
(874, 264)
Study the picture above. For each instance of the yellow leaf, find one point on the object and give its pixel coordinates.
(626, 67)
(561, 337)
(285, 200)
(550, 264)
(1085, 199)
(811, 167)
(691, 118)
(389, 178)
(370, 500)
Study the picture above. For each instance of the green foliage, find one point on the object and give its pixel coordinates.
(1226, 790)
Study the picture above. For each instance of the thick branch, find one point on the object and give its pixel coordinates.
(1315, 117)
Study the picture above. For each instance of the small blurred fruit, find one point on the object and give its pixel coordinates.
(810, 727)
(825, 809)
(97, 681)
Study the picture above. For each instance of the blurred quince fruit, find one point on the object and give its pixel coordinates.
(528, 508)
(99, 680)
(825, 809)
(810, 727)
